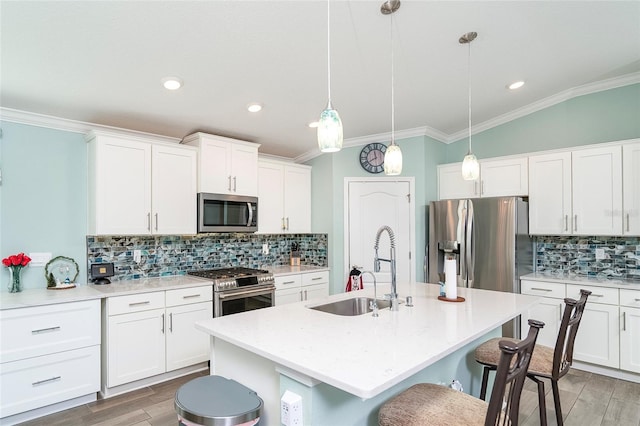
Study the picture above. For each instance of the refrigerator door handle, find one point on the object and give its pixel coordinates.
(470, 253)
(426, 264)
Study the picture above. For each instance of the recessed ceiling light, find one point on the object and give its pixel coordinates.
(254, 107)
(172, 83)
(313, 124)
(516, 85)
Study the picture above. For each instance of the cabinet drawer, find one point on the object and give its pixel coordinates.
(40, 330)
(189, 295)
(604, 295)
(543, 288)
(630, 298)
(36, 382)
(315, 278)
(135, 303)
(288, 281)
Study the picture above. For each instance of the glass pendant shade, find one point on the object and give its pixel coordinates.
(393, 160)
(470, 167)
(330, 130)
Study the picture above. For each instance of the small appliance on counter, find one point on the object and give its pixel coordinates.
(100, 273)
(295, 254)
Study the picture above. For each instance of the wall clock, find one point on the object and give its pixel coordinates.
(372, 157)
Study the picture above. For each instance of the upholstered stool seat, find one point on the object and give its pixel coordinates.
(541, 363)
(427, 403)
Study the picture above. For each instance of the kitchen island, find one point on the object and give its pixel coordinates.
(343, 367)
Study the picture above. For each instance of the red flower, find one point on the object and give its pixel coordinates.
(19, 259)
(6, 262)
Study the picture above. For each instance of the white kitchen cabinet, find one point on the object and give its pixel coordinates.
(138, 186)
(549, 310)
(597, 191)
(631, 189)
(225, 165)
(284, 191)
(152, 333)
(550, 194)
(49, 356)
(301, 287)
(500, 177)
(630, 330)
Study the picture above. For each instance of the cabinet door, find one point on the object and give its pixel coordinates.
(271, 197)
(452, 186)
(598, 337)
(244, 166)
(135, 346)
(297, 199)
(315, 292)
(215, 167)
(630, 339)
(185, 344)
(122, 186)
(501, 178)
(289, 295)
(548, 311)
(550, 194)
(174, 189)
(597, 191)
(631, 189)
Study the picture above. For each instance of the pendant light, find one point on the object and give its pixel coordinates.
(329, 125)
(393, 155)
(470, 165)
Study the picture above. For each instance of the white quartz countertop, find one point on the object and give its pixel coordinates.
(291, 270)
(364, 355)
(43, 296)
(598, 282)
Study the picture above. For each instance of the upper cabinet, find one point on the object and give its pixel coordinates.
(631, 189)
(139, 186)
(498, 178)
(550, 194)
(284, 193)
(225, 166)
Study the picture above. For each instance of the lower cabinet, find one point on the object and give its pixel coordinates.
(549, 310)
(48, 355)
(301, 287)
(630, 330)
(152, 333)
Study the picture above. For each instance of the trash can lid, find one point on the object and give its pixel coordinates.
(217, 401)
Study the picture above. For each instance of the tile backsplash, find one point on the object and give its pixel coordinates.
(576, 256)
(177, 254)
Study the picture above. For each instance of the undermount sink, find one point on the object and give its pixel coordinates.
(350, 307)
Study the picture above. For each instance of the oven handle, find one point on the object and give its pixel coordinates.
(234, 295)
(250, 214)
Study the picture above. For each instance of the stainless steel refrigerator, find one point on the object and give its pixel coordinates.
(489, 238)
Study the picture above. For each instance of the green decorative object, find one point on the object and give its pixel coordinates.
(59, 270)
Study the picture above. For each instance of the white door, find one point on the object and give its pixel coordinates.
(548, 311)
(297, 199)
(452, 186)
(600, 345)
(271, 196)
(371, 204)
(631, 189)
(550, 194)
(630, 339)
(187, 345)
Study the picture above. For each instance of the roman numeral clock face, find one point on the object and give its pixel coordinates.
(372, 157)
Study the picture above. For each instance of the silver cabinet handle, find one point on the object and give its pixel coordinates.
(41, 382)
(149, 221)
(283, 228)
(45, 330)
(301, 295)
(156, 221)
(234, 183)
(560, 312)
(482, 187)
(628, 222)
(139, 303)
(287, 224)
(597, 295)
(624, 321)
(288, 282)
(316, 278)
(566, 223)
(229, 183)
(637, 300)
(305, 295)
(540, 289)
(191, 296)
(162, 324)
(171, 322)
(575, 222)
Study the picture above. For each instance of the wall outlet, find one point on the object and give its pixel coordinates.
(291, 409)
(137, 256)
(600, 254)
(265, 248)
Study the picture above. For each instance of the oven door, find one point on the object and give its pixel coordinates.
(233, 302)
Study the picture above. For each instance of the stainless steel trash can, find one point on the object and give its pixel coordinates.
(217, 401)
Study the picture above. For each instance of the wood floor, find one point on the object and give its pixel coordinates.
(587, 399)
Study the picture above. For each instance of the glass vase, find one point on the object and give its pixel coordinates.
(15, 285)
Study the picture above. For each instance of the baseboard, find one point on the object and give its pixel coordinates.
(607, 371)
(49, 409)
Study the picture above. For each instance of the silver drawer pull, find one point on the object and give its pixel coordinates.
(45, 330)
(288, 282)
(637, 300)
(316, 278)
(597, 295)
(139, 303)
(540, 289)
(191, 296)
(41, 382)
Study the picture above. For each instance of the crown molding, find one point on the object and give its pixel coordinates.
(586, 89)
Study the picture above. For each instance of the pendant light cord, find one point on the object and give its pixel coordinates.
(393, 112)
(329, 50)
(469, 82)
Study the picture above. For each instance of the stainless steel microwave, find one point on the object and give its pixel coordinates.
(227, 213)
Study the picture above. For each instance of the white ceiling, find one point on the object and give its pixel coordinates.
(102, 62)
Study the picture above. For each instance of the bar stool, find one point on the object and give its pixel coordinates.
(217, 401)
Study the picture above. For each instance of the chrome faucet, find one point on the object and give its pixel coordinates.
(392, 262)
(374, 303)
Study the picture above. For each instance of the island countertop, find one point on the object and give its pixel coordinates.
(364, 355)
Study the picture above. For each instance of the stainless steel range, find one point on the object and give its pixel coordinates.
(239, 289)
